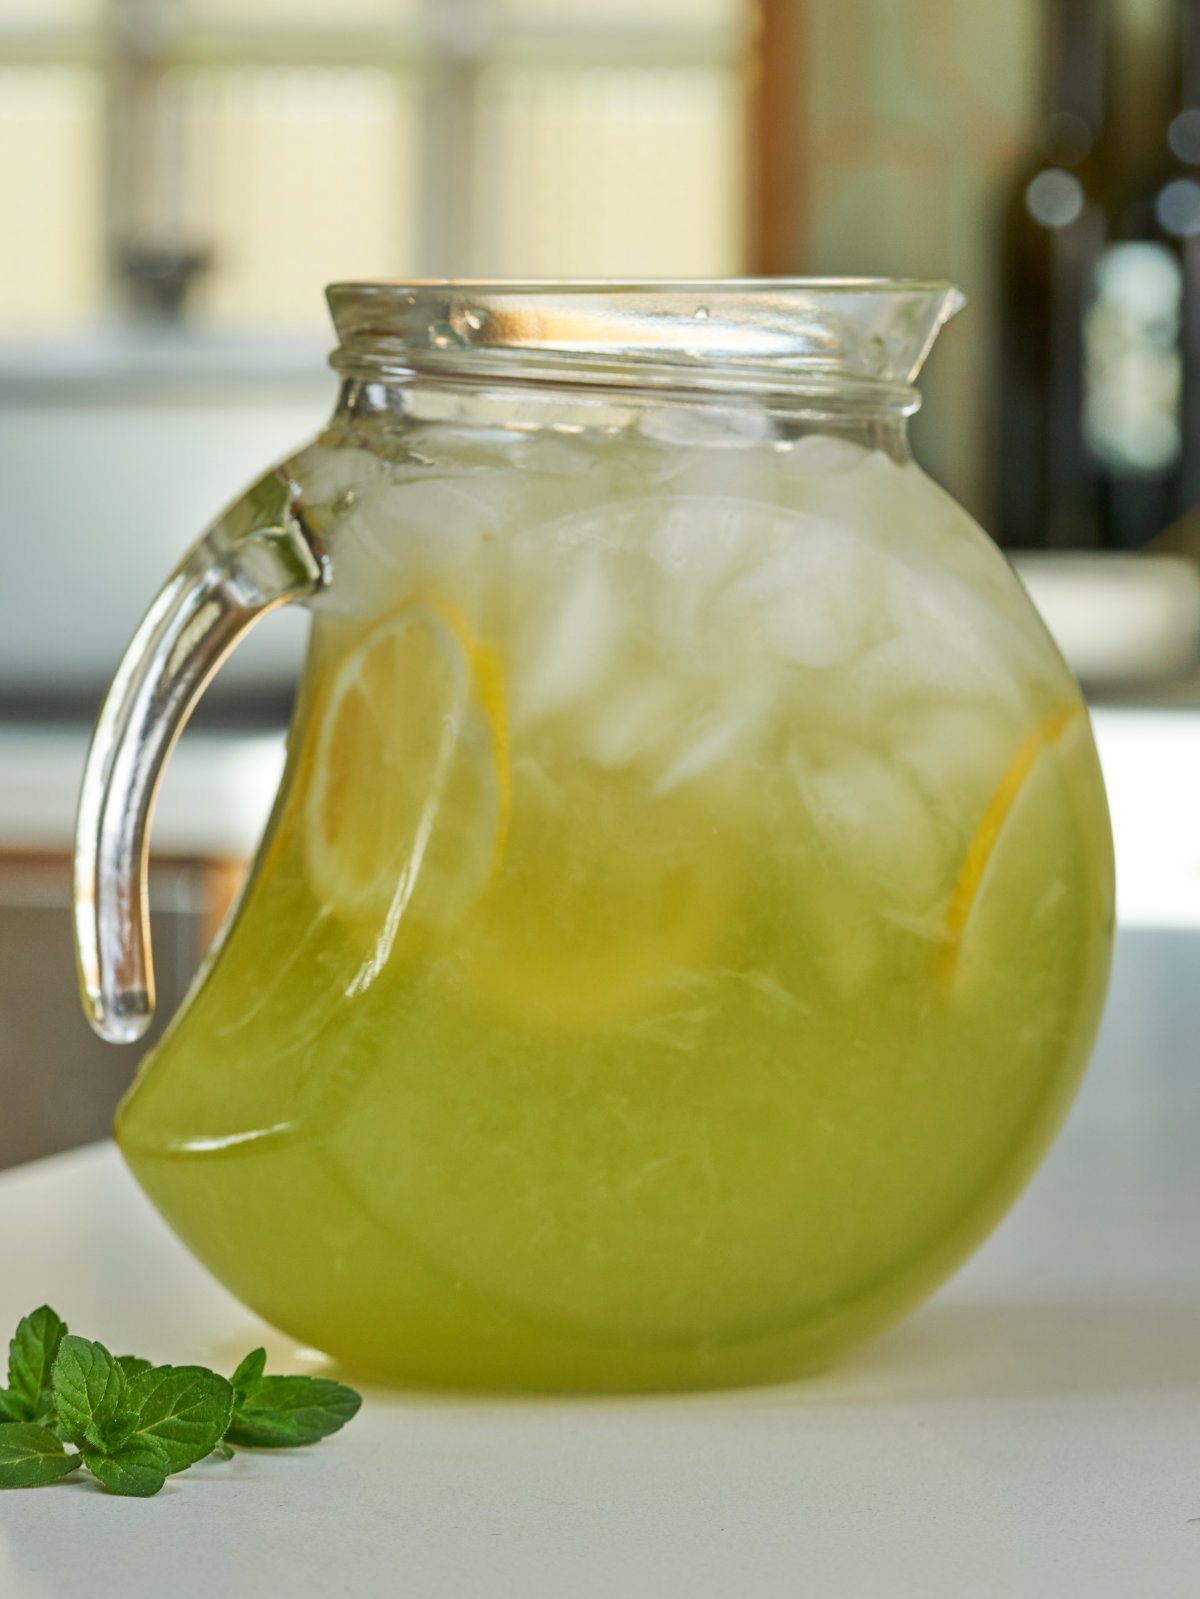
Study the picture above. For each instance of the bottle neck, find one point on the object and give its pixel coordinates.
(1076, 79)
(1188, 35)
(1183, 134)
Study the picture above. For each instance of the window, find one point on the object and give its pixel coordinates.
(269, 146)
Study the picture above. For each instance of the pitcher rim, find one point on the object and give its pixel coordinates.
(662, 285)
(693, 332)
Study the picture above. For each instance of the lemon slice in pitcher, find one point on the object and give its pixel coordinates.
(1021, 815)
(408, 809)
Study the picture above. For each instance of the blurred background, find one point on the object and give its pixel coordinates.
(180, 178)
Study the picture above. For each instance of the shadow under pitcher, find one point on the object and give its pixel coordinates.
(688, 905)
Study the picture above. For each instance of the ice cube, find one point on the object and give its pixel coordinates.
(818, 455)
(450, 447)
(926, 600)
(873, 820)
(697, 548)
(903, 511)
(706, 425)
(544, 452)
(569, 641)
(632, 717)
(335, 479)
(710, 470)
(934, 527)
(429, 537)
(860, 498)
(701, 540)
(731, 729)
(813, 596)
(930, 522)
(436, 511)
(915, 670)
(906, 512)
(956, 757)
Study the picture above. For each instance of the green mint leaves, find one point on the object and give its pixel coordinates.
(31, 1456)
(138, 1468)
(31, 1357)
(133, 1424)
(89, 1393)
(185, 1410)
(136, 1424)
(249, 1374)
(283, 1412)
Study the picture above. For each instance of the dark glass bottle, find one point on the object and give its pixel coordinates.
(1055, 228)
(1142, 325)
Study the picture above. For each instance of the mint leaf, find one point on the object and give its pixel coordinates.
(31, 1355)
(119, 1430)
(185, 1409)
(249, 1372)
(134, 1365)
(285, 1412)
(31, 1456)
(138, 1468)
(89, 1391)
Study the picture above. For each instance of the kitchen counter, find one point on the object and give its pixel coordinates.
(1033, 1431)
(216, 791)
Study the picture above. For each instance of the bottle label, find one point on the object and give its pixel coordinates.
(1133, 369)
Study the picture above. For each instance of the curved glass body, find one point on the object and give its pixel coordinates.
(687, 910)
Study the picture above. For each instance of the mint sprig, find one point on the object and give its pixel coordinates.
(133, 1424)
(31, 1356)
(285, 1412)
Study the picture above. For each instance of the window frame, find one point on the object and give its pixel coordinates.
(447, 44)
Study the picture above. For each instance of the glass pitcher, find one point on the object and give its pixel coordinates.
(687, 908)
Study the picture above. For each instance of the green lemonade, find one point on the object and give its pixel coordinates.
(682, 928)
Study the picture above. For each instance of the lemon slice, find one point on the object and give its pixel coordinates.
(1012, 787)
(408, 809)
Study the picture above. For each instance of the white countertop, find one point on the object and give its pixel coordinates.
(1032, 1433)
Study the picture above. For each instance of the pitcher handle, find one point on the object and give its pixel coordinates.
(260, 554)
